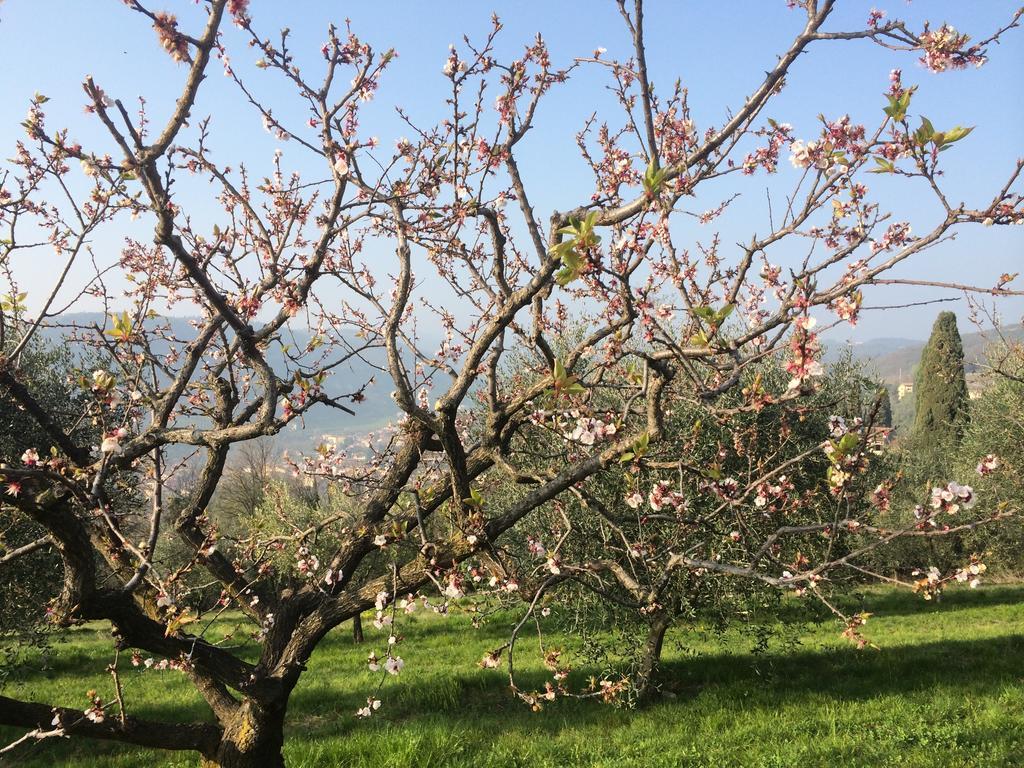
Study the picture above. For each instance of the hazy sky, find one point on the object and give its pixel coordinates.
(720, 50)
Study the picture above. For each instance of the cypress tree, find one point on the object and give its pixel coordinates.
(940, 387)
(884, 416)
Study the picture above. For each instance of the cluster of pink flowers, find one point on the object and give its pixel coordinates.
(112, 440)
(615, 168)
(772, 274)
(535, 546)
(453, 64)
(102, 385)
(881, 497)
(491, 659)
(95, 711)
(804, 350)
(804, 155)
(178, 665)
(381, 619)
(932, 581)
(845, 136)
(896, 236)
(839, 137)
(392, 664)
(307, 564)
(944, 48)
(988, 465)
(589, 430)
(726, 488)
(662, 496)
(952, 498)
(846, 460)
(372, 705)
(554, 563)
(677, 134)
(767, 157)
(239, 10)
(971, 574)
(166, 26)
(772, 497)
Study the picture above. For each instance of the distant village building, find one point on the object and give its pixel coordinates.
(903, 388)
(977, 383)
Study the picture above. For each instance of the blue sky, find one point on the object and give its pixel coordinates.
(719, 49)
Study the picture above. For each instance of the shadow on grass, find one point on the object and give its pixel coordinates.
(899, 602)
(903, 602)
(973, 668)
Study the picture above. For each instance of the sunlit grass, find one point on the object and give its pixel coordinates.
(944, 688)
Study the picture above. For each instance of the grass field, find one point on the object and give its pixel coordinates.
(945, 688)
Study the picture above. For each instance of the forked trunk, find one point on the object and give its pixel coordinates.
(252, 740)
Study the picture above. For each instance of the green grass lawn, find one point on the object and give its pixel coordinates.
(945, 688)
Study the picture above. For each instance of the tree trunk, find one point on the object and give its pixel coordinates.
(357, 628)
(252, 740)
(646, 683)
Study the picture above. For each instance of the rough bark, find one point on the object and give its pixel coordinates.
(647, 676)
(357, 628)
(253, 739)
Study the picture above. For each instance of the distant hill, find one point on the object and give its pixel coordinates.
(373, 412)
(888, 362)
(887, 358)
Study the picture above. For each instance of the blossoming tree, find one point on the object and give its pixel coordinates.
(592, 322)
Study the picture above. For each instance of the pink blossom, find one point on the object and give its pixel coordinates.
(988, 465)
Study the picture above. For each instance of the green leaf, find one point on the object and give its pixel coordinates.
(925, 132)
(848, 443)
(572, 251)
(475, 499)
(897, 108)
(953, 134)
(700, 339)
(559, 371)
(12, 302)
(122, 329)
(882, 166)
(654, 177)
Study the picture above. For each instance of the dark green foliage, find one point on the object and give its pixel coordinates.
(941, 388)
(883, 417)
(997, 424)
(28, 582)
(711, 452)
